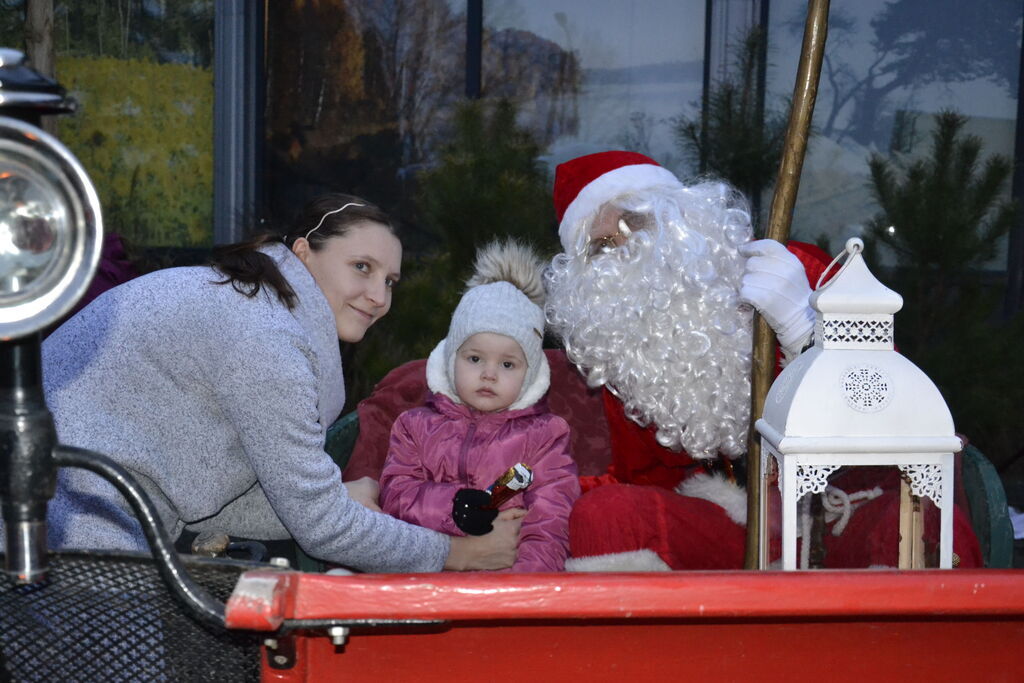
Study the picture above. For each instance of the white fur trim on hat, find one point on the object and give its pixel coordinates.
(438, 382)
(720, 491)
(437, 374)
(606, 187)
(644, 560)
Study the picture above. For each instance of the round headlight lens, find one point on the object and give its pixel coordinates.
(50, 229)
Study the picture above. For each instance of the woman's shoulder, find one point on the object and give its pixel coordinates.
(193, 284)
(186, 298)
(195, 306)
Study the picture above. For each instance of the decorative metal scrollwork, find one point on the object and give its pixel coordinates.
(867, 389)
(925, 481)
(857, 331)
(812, 478)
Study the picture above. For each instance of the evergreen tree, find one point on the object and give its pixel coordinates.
(735, 138)
(942, 216)
(486, 184)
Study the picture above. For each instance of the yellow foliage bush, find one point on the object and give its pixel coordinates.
(144, 132)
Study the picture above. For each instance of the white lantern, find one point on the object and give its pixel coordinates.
(851, 399)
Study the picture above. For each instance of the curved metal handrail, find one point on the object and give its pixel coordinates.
(168, 564)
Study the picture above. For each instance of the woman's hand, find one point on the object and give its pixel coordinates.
(496, 550)
(364, 491)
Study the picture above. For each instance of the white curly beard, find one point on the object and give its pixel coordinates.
(659, 322)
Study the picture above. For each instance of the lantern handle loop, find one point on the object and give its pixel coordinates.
(854, 245)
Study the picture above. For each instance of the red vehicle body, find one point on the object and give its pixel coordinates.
(837, 625)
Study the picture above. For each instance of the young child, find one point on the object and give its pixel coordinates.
(486, 413)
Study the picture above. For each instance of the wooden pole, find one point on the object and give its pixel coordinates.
(805, 92)
(39, 46)
(911, 548)
(906, 547)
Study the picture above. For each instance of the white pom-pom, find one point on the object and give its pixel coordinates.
(510, 261)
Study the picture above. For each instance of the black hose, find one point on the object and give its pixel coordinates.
(171, 569)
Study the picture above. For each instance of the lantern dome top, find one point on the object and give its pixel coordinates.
(852, 392)
(856, 401)
(855, 289)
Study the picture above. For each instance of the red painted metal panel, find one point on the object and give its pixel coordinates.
(647, 651)
(671, 594)
(765, 626)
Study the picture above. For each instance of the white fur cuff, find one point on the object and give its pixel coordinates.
(634, 561)
(720, 491)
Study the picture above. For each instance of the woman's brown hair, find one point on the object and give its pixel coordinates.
(248, 269)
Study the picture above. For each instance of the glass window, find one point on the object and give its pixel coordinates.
(141, 74)
(913, 148)
(380, 82)
(890, 68)
(358, 98)
(598, 75)
(370, 98)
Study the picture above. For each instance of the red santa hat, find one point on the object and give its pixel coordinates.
(583, 184)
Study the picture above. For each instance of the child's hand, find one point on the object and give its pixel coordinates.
(364, 491)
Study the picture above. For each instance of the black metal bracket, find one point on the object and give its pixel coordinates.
(280, 651)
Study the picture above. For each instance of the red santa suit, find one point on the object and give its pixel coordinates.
(656, 500)
(635, 509)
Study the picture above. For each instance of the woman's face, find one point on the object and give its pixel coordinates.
(356, 273)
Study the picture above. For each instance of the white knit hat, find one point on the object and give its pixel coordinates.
(500, 307)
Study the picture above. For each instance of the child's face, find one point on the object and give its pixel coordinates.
(489, 371)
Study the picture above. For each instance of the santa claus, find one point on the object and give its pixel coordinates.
(653, 298)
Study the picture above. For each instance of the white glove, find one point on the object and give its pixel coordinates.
(775, 283)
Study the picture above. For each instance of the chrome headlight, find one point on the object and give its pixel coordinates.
(51, 230)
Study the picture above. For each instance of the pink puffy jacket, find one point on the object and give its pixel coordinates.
(444, 446)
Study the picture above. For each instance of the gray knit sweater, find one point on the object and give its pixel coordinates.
(218, 404)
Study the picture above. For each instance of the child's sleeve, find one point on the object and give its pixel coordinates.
(544, 536)
(407, 490)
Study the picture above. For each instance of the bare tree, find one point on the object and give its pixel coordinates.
(420, 65)
(540, 77)
(39, 45)
(915, 43)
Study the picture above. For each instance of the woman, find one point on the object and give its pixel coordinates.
(214, 386)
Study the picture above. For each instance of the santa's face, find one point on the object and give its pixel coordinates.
(647, 304)
(612, 226)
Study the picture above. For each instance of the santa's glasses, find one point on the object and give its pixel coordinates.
(612, 227)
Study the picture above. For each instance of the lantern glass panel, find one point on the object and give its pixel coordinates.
(840, 510)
